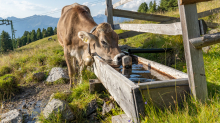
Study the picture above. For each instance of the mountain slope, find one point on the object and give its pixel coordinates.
(43, 21)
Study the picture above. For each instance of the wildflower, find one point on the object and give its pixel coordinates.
(146, 103)
(129, 120)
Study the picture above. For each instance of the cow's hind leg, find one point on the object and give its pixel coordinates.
(71, 69)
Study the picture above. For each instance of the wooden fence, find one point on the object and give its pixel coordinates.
(187, 25)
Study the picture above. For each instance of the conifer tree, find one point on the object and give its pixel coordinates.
(143, 8)
(6, 42)
(39, 34)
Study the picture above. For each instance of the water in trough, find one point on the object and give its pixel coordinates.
(136, 74)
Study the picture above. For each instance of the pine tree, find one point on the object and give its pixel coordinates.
(153, 6)
(23, 40)
(55, 31)
(44, 33)
(19, 42)
(166, 5)
(6, 42)
(33, 36)
(28, 38)
(39, 34)
(143, 8)
(49, 31)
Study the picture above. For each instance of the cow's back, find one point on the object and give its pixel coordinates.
(69, 24)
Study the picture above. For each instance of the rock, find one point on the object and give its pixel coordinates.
(13, 116)
(206, 49)
(52, 96)
(54, 105)
(39, 76)
(57, 73)
(91, 108)
(107, 107)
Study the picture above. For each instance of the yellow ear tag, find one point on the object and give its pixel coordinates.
(85, 40)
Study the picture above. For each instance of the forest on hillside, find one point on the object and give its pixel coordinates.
(7, 44)
(164, 5)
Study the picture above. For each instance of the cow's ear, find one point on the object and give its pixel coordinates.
(84, 36)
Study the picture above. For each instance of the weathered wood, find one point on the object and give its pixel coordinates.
(129, 34)
(95, 86)
(212, 25)
(168, 29)
(119, 87)
(121, 2)
(206, 40)
(162, 69)
(141, 16)
(185, 2)
(202, 27)
(123, 118)
(194, 57)
(208, 12)
(109, 12)
(165, 93)
(127, 61)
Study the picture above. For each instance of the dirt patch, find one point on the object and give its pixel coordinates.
(32, 99)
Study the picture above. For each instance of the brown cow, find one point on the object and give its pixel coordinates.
(73, 34)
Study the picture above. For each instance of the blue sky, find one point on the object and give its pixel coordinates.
(25, 8)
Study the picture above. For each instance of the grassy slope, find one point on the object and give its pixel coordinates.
(193, 111)
(40, 56)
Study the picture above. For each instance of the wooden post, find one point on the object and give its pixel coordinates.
(109, 12)
(194, 57)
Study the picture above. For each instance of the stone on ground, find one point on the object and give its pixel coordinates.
(13, 116)
(39, 76)
(54, 105)
(57, 73)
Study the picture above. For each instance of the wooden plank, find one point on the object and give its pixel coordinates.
(129, 34)
(109, 12)
(212, 25)
(165, 93)
(206, 40)
(185, 2)
(208, 12)
(168, 29)
(141, 16)
(194, 57)
(121, 2)
(123, 118)
(162, 69)
(121, 88)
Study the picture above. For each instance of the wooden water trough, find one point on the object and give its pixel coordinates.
(170, 88)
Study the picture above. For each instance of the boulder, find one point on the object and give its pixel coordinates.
(39, 76)
(54, 105)
(91, 108)
(13, 116)
(107, 107)
(57, 73)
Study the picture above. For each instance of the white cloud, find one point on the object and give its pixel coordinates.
(133, 5)
(93, 4)
(27, 6)
(86, 3)
(101, 11)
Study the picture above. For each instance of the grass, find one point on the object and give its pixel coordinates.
(39, 56)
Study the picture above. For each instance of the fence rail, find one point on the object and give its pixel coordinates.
(187, 25)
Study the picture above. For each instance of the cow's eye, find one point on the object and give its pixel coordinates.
(104, 43)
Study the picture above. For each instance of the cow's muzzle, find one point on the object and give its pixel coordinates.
(118, 58)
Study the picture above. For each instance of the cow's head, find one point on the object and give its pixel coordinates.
(103, 41)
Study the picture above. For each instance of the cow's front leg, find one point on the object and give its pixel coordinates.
(82, 66)
(71, 70)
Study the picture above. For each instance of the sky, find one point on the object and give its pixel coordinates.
(26, 8)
